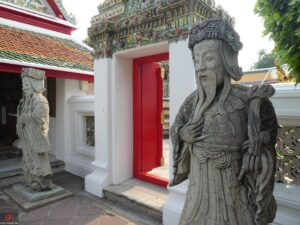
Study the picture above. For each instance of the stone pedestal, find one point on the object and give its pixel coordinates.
(28, 199)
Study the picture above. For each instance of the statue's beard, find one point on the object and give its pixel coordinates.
(206, 94)
(27, 95)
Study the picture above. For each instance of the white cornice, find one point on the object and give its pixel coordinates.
(13, 62)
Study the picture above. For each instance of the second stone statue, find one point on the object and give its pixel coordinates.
(32, 128)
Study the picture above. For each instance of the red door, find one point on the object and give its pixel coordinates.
(151, 99)
(148, 105)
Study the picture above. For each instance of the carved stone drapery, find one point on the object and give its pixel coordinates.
(127, 24)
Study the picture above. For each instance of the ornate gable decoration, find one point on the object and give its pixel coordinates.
(42, 6)
(124, 24)
(35, 5)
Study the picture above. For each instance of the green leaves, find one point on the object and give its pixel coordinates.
(282, 22)
(265, 60)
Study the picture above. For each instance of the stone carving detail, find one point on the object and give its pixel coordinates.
(37, 5)
(43, 6)
(90, 130)
(288, 155)
(224, 137)
(130, 23)
(32, 128)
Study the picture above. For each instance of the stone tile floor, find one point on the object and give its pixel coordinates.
(80, 209)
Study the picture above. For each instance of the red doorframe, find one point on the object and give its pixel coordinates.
(137, 121)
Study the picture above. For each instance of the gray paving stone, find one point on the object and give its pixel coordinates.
(89, 210)
(83, 200)
(61, 221)
(84, 220)
(31, 222)
(68, 211)
(40, 213)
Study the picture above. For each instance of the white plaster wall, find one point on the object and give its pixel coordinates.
(79, 156)
(286, 102)
(182, 83)
(65, 88)
(288, 204)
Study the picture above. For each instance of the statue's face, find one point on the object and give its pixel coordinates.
(26, 84)
(208, 63)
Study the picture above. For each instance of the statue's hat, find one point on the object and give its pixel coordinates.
(33, 73)
(220, 29)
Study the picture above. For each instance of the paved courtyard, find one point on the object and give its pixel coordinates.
(80, 209)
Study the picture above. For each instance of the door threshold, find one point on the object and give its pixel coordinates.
(140, 196)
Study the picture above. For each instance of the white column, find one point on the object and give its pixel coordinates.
(122, 119)
(101, 177)
(182, 83)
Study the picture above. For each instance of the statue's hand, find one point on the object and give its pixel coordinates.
(251, 164)
(191, 133)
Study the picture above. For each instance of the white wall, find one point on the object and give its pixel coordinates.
(65, 88)
(78, 155)
(286, 102)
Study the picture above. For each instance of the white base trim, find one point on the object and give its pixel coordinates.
(78, 167)
(97, 181)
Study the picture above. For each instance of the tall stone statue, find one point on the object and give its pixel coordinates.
(224, 136)
(32, 128)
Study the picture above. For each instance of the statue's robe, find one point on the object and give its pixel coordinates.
(215, 196)
(32, 128)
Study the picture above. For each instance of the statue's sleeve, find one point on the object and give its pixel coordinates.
(40, 123)
(181, 154)
(262, 133)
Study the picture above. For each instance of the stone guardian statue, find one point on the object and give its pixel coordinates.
(224, 136)
(32, 128)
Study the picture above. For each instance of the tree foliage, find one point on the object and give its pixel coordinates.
(265, 60)
(282, 22)
(282, 75)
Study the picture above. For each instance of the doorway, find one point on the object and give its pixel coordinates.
(148, 119)
(10, 95)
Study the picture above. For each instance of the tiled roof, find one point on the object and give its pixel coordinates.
(30, 47)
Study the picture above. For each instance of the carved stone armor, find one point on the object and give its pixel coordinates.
(216, 194)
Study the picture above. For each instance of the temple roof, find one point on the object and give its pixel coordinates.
(125, 24)
(18, 45)
(53, 8)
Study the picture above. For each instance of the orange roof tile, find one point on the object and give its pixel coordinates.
(27, 46)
